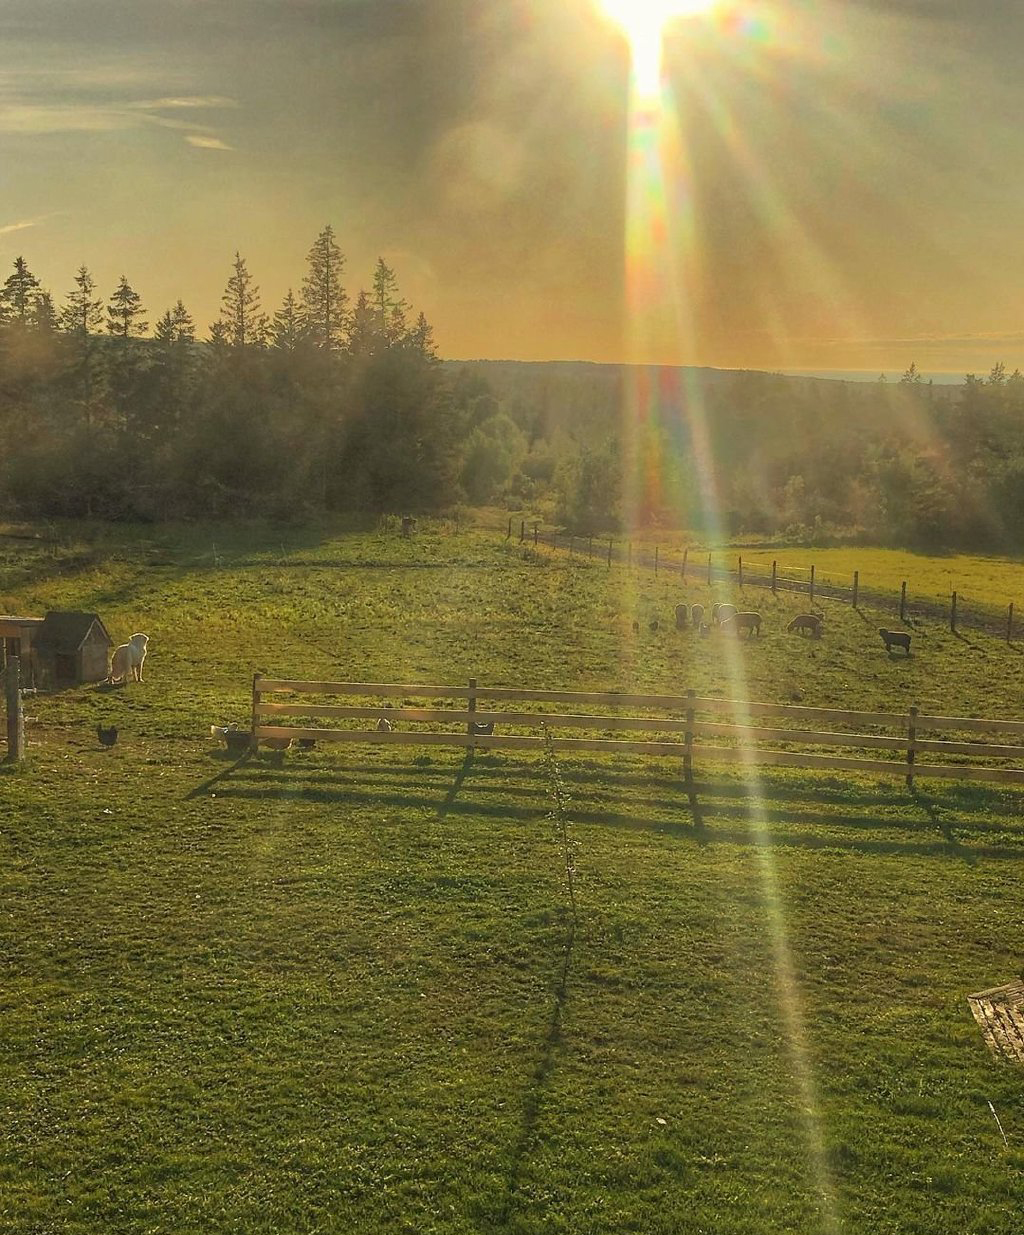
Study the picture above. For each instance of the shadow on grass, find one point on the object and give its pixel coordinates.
(219, 777)
(944, 826)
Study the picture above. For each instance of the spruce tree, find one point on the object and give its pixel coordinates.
(388, 306)
(243, 321)
(83, 309)
(124, 313)
(19, 294)
(290, 329)
(324, 300)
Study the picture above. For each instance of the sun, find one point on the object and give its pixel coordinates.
(644, 22)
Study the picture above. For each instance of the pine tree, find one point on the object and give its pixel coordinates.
(44, 315)
(83, 310)
(324, 299)
(388, 306)
(124, 313)
(422, 338)
(242, 318)
(290, 330)
(175, 327)
(19, 294)
(362, 330)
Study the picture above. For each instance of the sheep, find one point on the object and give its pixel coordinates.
(750, 622)
(682, 616)
(384, 725)
(895, 638)
(810, 622)
(697, 615)
(725, 612)
(654, 626)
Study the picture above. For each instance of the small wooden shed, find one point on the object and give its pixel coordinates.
(71, 648)
(16, 639)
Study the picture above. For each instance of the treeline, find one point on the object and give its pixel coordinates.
(341, 403)
(902, 463)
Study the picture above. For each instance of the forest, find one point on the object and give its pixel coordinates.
(337, 402)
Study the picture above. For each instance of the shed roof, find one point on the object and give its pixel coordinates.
(66, 632)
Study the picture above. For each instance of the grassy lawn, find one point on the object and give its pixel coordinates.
(335, 992)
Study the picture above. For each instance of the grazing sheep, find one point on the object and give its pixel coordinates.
(483, 728)
(811, 622)
(895, 639)
(384, 725)
(654, 626)
(682, 616)
(725, 612)
(697, 615)
(750, 622)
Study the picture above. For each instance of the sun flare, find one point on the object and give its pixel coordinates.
(644, 22)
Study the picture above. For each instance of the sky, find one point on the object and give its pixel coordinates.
(817, 185)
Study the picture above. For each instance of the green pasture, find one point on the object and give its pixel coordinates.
(341, 990)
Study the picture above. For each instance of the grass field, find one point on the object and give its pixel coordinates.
(340, 991)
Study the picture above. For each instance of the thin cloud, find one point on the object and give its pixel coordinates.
(206, 143)
(182, 102)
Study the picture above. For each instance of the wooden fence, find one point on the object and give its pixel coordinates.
(683, 720)
(779, 577)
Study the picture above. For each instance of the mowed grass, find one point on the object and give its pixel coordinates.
(331, 992)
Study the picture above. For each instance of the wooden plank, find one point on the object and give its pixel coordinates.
(970, 724)
(987, 750)
(866, 741)
(384, 690)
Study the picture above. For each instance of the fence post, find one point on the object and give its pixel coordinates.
(688, 738)
(741, 572)
(554, 541)
(535, 527)
(775, 570)
(609, 553)
(911, 733)
(522, 530)
(471, 707)
(812, 583)
(1009, 623)
(856, 586)
(655, 559)
(686, 554)
(256, 696)
(952, 614)
(709, 570)
(15, 715)
(903, 601)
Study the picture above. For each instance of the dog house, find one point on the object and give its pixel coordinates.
(16, 639)
(71, 648)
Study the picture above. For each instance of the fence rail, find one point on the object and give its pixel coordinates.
(674, 733)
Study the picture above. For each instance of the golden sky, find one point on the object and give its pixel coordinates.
(842, 189)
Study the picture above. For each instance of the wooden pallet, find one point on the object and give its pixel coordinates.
(1000, 1013)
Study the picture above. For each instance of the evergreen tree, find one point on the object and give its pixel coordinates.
(19, 294)
(422, 337)
(362, 332)
(324, 299)
(83, 310)
(176, 326)
(290, 330)
(124, 313)
(242, 318)
(43, 316)
(388, 306)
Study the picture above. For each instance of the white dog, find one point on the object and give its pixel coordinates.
(127, 660)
